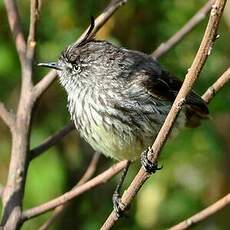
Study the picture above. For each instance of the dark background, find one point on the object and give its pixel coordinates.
(196, 162)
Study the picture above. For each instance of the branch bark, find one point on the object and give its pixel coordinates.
(225, 201)
(98, 180)
(13, 193)
(52, 140)
(196, 67)
(212, 209)
(218, 85)
(16, 30)
(87, 175)
(185, 30)
(31, 43)
(7, 117)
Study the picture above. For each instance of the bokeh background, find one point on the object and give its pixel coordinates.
(196, 162)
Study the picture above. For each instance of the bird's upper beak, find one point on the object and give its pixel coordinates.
(52, 65)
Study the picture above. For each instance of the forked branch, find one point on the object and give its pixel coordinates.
(7, 117)
(100, 179)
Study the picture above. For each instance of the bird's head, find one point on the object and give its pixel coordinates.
(70, 64)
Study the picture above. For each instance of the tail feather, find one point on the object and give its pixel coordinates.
(196, 110)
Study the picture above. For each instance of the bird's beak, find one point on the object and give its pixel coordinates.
(52, 65)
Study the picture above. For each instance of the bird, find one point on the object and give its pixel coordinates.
(119, 98)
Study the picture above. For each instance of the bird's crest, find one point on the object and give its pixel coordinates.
(88, 36)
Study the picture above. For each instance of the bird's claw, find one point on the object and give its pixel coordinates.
(148, 165)
(118, 206)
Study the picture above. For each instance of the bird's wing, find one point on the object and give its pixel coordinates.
(167, 86)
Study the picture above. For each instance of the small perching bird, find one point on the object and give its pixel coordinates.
(119, 98)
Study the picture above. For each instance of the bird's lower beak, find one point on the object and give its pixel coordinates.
(52, 65)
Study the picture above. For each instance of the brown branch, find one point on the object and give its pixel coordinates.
(31, 42)
(7, 117)
(221, 81)
(98, 180)
(44, 83)
(185, 30)
(153, 153)
(223, 202)
(99, 22)
(212, 209)
(13, 193)
(87, 175)
(90, 170)
(52, 140)
(16, 30)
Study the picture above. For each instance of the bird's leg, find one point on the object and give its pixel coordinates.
(117, 204)
(147, 164)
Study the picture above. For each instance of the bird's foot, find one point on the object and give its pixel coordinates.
(118, 206)
(148, 165)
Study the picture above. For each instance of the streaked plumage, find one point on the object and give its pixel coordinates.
(119, 98)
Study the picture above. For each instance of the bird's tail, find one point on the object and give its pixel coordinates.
(196, 110)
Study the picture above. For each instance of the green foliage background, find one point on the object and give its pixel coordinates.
(196, 162)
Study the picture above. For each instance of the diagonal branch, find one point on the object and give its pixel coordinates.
(193, 73)
(185, 30)
(31, 43)
(52, 140)
(16, 30)
(221, 81)
(90, 170)
(87, 175)
(6, 116)
(99, 22)
(198, 217)
(224, 201)
(98, 180)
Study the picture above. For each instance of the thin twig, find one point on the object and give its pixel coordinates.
(31, 43)
(221, 81)
(87, 175)
(185, 30)
(90, 170)
(98, 180)
(52, 140)
(43, 84)
(15, 27)
(198, 217)
(7, 117)
(153, 153)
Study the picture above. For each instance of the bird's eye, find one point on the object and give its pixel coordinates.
(76, 68)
